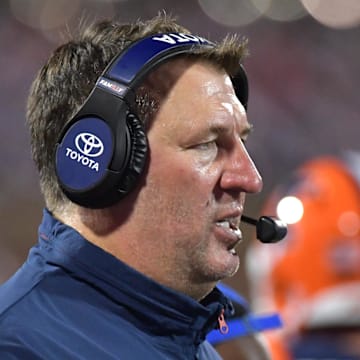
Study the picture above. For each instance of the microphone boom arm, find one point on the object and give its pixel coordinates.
(268, 228)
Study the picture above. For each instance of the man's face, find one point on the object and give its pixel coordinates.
(190, 206)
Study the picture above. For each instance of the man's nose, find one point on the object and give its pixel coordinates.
(240, 172)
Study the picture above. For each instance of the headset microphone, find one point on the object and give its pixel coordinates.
(268, 228)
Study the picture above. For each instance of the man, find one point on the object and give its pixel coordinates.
(137, 229)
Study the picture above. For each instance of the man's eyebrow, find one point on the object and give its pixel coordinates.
(221, 128)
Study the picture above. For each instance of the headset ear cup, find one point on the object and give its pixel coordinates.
(82, 158)
(138, 154)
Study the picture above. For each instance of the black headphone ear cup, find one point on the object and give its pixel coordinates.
(138, 154)
(83, 155)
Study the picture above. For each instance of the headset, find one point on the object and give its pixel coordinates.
(102, 150)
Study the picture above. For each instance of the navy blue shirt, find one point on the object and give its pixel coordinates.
(72, 300)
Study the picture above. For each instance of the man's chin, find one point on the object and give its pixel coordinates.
(223, 270)
(230, 266)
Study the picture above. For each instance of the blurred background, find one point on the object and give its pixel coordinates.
(304, 93)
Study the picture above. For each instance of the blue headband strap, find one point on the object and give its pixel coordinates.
(130, 66)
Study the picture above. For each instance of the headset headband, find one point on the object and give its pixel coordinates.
(128, 69)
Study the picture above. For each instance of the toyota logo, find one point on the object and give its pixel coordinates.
(89, 144)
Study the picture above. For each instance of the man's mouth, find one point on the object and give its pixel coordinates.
(231, 226)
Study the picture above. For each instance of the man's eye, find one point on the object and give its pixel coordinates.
(206, 145)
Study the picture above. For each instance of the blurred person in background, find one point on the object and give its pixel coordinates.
(138, 132)
(313, 276)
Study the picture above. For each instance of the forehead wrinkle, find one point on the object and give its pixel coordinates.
(229, 107)
(211, 88)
